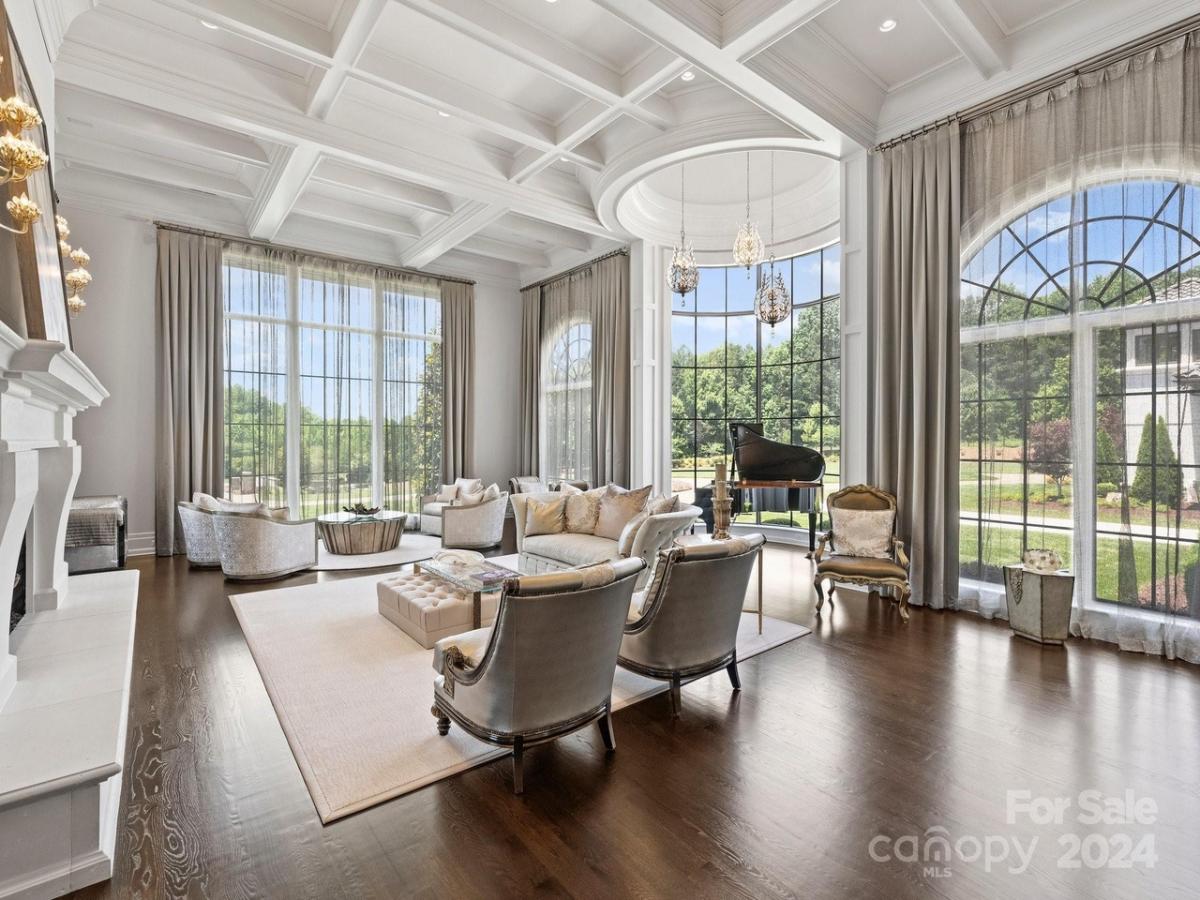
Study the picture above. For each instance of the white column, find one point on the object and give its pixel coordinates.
(857, 248)
(57, 473)
(18, 487)
(650, 378)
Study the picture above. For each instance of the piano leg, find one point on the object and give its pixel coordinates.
(812, 534)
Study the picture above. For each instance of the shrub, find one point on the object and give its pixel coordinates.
(1104, 488)
(1110, 469)
(1159, 478)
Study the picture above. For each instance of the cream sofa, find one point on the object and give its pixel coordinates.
(565, 550)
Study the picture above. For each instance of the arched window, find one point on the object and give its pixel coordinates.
(566, 416)
(1080, 374)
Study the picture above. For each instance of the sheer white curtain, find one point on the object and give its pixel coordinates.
(565, 415)
(1080, 328)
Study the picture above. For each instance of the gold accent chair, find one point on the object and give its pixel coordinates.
(864, 570)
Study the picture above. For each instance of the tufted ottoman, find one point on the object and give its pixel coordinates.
(428, 608)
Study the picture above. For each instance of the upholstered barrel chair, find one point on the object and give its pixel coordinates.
(199, 535)
(685, 626)
(256, 547)
(884, 566)
(474, 527)
(545, 668)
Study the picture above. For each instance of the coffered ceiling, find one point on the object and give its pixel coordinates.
(501, 135)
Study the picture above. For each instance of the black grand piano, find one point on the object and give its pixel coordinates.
(769, 476)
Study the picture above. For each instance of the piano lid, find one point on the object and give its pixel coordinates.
(757, 458)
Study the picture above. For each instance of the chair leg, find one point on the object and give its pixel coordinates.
(820, 592)
(904, 595)
(734, 678)
(606, 729)
(518, 765)
(443, 721)
(676, 698)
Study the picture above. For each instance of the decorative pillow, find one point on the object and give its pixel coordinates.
(447, 493)
(664, 503)
(863, 532)
(617, 507)
(206, 501)
(469, 485)
(545, 516)
(465, 499)
(532, 487)
(583, 509)
(278, 512)
(567, 488)
(491, 492)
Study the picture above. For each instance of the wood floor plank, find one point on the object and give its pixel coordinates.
(868, 727)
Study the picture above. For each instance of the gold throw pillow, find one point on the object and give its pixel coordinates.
(583, 510)
(617, 507)
(545, 516)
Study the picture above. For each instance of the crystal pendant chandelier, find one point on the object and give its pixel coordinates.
(772, 303)
(748, 245)
(683, 275)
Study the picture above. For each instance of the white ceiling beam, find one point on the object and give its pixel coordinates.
(661, 25)
(470, 219)
(74, 106)
(134, 81)
(492, 248)
(99, 156)
(262, 24)
(351, 35)
(973, 31)
(346, 212)
(334, 176)
(754, 25)
(543, 232)
(538, 50)
(281, 187)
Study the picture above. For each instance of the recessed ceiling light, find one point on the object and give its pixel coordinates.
(887, 25)
(210, 25)
(443, 114)
(687, 76)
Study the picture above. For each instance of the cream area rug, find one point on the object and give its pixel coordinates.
(413, 547)
(353, 692)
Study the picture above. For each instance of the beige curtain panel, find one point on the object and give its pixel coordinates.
(531, 378)
(610, 370)
(914, 379)
(458, 354)
(189, 391)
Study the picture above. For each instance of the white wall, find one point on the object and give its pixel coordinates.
(116, 338)
(497, 380)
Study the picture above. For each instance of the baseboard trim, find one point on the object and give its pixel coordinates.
(140, 543)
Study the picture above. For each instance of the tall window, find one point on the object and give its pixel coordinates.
(1103, 283)
(727, 366)
(566, 440)
(333, 386)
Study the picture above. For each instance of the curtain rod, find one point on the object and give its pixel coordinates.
(1025, 91)
(620, 251)
(255, 242)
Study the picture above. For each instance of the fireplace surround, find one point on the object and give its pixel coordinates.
(65, 667)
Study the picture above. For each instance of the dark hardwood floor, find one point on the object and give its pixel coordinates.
(867, 727)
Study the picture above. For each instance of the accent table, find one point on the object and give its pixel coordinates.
(349, 534)
(1039, 603)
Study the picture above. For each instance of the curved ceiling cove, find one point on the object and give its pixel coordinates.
(807, 201)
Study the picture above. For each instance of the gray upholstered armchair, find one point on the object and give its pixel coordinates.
(257, 547)
(199, 535)
(686, 624)
(545, 668)
(474, 527)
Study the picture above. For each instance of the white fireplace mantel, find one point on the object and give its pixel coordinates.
(65, 670)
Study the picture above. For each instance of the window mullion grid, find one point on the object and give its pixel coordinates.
(377, 398)
(293, 415)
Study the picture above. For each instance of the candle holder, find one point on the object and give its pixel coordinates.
(722, 505)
